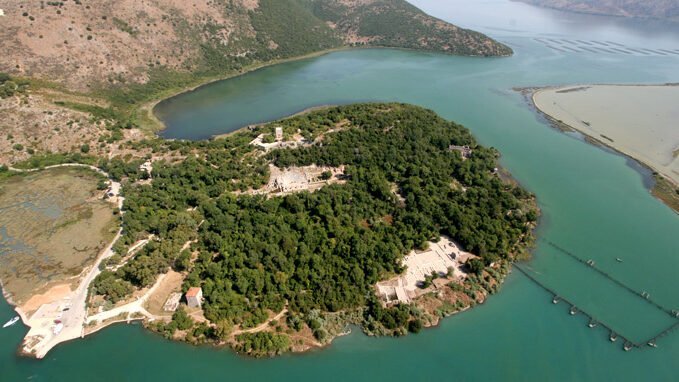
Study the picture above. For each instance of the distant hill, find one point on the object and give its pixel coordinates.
(659, 9)
(396, 23)
(88, 45)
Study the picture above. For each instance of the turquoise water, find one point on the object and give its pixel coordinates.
(594, 202)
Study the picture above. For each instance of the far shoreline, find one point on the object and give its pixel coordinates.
(157, 125)
(153, 124)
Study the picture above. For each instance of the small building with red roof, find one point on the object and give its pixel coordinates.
(194, 297)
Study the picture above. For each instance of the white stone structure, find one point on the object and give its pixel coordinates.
(441, 257)
(194, 297)
(172, 302)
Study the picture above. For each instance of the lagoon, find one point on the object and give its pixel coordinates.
(595, 203)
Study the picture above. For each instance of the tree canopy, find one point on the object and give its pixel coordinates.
(323, 250)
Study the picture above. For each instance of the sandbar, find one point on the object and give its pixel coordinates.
(641, 121)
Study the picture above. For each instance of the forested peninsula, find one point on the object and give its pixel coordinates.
(381, 215)
(286, 269)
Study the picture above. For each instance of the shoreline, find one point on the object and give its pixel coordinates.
(256, 125)
(480, 298)
(475, 296)
(668, 20)
(40, 338)
(8, 298)
(660, 182)
(147, 108)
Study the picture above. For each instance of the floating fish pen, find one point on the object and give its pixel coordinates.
(613, 335)
(645, 295)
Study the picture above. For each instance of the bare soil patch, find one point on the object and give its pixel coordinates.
(53, 294)
(82, 45)
(40, 126)
(171, 283)
(638, 121)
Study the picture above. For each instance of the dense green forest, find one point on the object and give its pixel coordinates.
(294, 29)
(321, 251)
(282, 29)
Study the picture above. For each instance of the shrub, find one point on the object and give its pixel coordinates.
(182, 319)
(325, 175)
(263, 343)
(415, 326)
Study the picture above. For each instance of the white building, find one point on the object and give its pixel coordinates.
(194, 297)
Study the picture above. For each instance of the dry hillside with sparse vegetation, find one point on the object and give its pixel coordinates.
(92, 43)
(658, 9)
(83, 75)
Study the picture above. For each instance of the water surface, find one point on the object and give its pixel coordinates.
(594, 202)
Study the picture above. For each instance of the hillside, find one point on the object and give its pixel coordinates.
(659, 9)
(86, 44)
(83, 75)
(396, 23)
